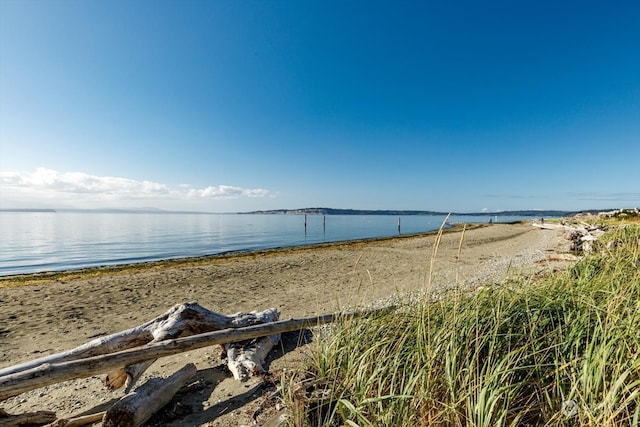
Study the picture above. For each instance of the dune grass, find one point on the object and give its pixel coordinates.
(563, 350)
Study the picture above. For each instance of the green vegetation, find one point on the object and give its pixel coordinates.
(563, 350)
(616, 217)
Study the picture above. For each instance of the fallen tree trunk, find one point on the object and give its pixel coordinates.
(52, 373)
(137, 407)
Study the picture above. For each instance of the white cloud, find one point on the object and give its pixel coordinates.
(613, 197)
(69, 187)
(227, 191)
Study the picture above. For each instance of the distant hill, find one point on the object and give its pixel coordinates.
(27, 210)
(318, 211)
(107, 211)
(332, 211)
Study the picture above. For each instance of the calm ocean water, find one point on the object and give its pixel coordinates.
(41, 241)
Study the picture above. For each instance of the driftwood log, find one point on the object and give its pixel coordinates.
(29, 419)
(245, 358)
(82, 420)
(581, 235)
(185, 320)
(23, 380)
(181, 320)
(137, 407)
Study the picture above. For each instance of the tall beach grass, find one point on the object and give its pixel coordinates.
(562, 350)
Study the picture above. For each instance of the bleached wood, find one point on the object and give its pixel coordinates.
(181, 320)
(181, 324)
(78, 421)
(549, 226)
(177, 320)
(581, 236)
(52, 373)
(137, 407)
(245, 358)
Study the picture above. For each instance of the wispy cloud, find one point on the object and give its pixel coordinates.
(573, 200)
(79, 183)
(595, 196)
(49, 184)
(227, 191)
(510, 196)
(611, 197)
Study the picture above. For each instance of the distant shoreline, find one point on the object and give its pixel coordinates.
(53, 275)
(312, 211)
(332, 211)
(82, 240)
(28, 210)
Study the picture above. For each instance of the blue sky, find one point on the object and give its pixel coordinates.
(238, 105)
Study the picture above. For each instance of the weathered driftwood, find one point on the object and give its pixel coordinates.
(137, 407)
(189, 315)
(181, 320)
(52, 373)
(184, 322)
(38, 418)
(245, 358)
(549, 226)
(581, 235)
(78, 421)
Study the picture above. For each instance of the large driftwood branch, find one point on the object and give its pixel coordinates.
(137, 407)
(52, 373)
(184, 322)
(189, 318)
(181, 320)
(245, 358)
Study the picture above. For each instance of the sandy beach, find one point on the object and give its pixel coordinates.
(40, 316)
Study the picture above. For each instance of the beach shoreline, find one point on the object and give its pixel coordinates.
(50, 314)
(55, 275)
